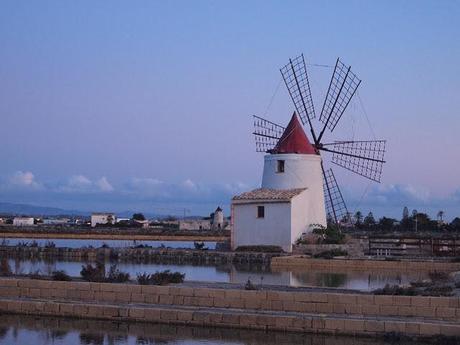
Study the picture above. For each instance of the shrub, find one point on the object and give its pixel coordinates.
(260, 249)
(330, 254)
(60, 275)
(329, 235)
(249, 285)
(34, 244)
(50, 244)
(438, 276)
(143, 278)
(5, 269)
(117, 276)
(396, 290)
(35, 275)
(105, 245)
(160, 278)
(199, 245)
(93, 273)
(444, 290)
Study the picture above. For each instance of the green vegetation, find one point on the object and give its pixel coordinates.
(5, 269)
(97, 273)
(138, 216)
(416, 289)
(249, 285)
(61, 276)
(328, 235)
(199, 245)
(260, 249)
(117, 276)
(160, 278)
(93, 273)
(330, 254)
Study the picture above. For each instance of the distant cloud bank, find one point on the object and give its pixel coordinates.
(146, 193)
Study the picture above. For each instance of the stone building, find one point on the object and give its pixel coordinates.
(103, 218)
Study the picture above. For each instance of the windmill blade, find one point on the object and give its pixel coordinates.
(341, 89)
(266, 134)
(336, 209)
(296, 79)
(364, 158)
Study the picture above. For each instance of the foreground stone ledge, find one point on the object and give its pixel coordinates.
(303, 301)
(301, 311)
(231, 318)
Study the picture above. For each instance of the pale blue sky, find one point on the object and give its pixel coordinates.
(142, 104)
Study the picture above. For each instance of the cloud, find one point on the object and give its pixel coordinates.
(24, 180)
(397, 193)
(104, 185)
(82, 184)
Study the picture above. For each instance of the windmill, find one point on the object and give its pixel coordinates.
(362, 157)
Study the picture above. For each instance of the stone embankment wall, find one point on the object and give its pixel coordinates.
(305, 263)
(304, 311)
(154, 255)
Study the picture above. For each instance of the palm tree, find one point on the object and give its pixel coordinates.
(440, 215)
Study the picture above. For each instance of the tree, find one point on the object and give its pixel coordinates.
(440, 215)
(138, 216)
(109, 219)
(386, 223)
(406, 221)
(405, 213)
(369, 220)
(358, 219)
(455, 224)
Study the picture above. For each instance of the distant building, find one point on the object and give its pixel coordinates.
(55, 221)
(217, 220)
(23, 221)
(195, 224)
(143, 223)
(103, 218)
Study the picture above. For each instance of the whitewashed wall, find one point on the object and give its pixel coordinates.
(273, 229)
(300, 171)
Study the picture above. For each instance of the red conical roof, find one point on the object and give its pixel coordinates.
(294, 139)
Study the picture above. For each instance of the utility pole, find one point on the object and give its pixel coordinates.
(416, 223)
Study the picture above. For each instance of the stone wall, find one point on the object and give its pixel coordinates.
(153, 255)
(307, 311)
(305, 263)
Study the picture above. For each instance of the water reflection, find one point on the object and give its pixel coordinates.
(228, 273)
(15, 330)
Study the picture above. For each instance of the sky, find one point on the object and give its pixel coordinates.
(147, 105)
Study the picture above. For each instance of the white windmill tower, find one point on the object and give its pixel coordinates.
(296, 190)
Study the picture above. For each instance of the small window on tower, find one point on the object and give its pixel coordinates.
(260, 211)
(280, 166)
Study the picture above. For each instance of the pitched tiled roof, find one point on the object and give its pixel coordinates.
(270, 194)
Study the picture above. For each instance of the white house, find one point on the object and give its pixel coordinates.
(194, 224)
(56, 221)
(103, 218)
(291, 199)
(23, 221)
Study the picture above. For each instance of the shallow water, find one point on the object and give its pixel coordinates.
(25, 330)
(76, 243)
(357, 280)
